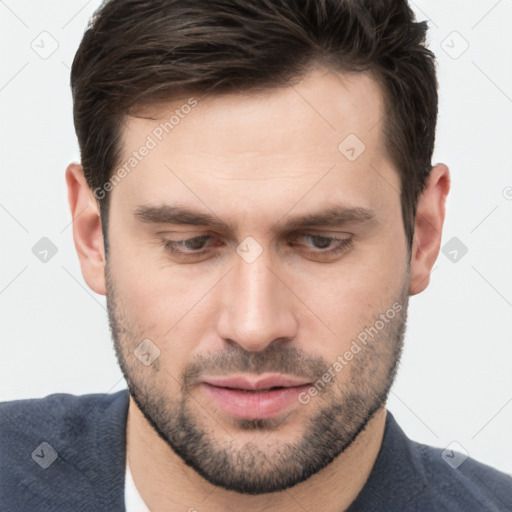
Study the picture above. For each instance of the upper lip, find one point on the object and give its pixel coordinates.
(256, 383)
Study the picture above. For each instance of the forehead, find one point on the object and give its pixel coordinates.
(324, 132)
(326, 104)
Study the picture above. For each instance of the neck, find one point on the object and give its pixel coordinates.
(165, 482)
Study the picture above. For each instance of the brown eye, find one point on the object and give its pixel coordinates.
(322, 245)
(321, 242)
(191, 245)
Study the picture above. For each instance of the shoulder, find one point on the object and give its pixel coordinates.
(455, 481)
(409, 476)
(60, 402)
(63, 446)
(60, 414)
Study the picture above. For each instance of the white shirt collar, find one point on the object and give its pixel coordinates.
(132, 499)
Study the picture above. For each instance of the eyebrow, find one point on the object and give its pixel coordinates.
(333, 216)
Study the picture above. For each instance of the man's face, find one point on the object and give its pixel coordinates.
(255, 296)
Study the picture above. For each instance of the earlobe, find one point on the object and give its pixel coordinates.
(428, 228)
(87, 233)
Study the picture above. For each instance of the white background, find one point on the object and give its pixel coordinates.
(455, 381)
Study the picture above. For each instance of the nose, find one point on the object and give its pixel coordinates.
(257, 305)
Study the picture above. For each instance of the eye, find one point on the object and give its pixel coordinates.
(322, 244)
(192, 246)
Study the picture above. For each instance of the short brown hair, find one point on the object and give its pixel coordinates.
(140, 51)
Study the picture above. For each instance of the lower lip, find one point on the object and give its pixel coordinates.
(254, 404)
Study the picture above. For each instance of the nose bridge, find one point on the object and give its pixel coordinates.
(256, 311)
(255, 281)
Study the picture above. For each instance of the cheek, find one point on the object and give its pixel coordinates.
(144, 303)
(159, 302)
(350, 297)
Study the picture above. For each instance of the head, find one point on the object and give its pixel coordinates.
(256, 197)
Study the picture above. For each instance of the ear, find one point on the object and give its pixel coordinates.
(87, 232)
(428, 228)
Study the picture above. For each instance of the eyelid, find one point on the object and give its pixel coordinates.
(169, 244)
(319, 233)
(340, 244)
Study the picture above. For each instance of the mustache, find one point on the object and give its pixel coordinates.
(274, 358)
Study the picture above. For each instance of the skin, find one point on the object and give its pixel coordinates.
(257, 160)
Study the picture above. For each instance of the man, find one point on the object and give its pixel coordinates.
(257, 202)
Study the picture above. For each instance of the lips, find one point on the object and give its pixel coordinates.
(254, 397)
(256, 384)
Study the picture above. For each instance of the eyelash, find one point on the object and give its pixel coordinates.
(343, 244)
